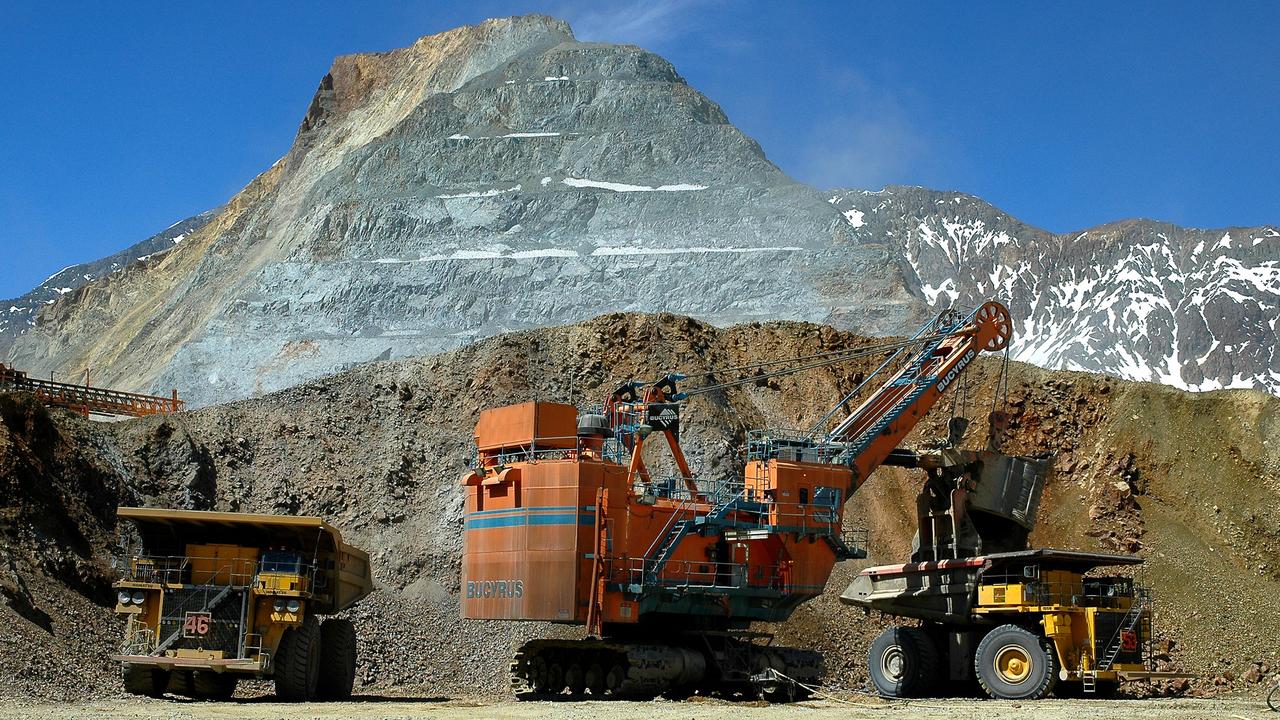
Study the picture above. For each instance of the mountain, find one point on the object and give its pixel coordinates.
(491, 177)
(505, 176)
(19, 314)
(1141, 300)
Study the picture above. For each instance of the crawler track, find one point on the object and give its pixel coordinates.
(544, 669)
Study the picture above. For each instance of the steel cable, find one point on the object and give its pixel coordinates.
(831, 358)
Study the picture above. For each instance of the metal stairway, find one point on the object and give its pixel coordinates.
(867, 436)
(1137, 611)
(842, 549)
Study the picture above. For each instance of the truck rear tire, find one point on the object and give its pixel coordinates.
(1013, 663)
(144, 680)
(337, 659)
(903, 662)
(208, 685)
(297, 663)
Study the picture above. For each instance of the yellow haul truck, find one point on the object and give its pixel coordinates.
(1020, 621)
(212, 597)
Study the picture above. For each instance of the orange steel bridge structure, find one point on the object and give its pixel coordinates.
(86, 399)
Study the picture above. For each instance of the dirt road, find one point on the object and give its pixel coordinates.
(857, 708)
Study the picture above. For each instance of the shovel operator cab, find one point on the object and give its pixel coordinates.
(210, 598)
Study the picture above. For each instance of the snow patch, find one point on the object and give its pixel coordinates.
(624, 187)
(479, 193)
(855, 217)
(62, 271)
(948, 287)
(548, 252)
(615, 251)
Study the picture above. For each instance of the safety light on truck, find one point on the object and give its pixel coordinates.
(124, 597)
(138, 597)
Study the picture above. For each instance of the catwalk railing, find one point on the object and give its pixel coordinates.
(87, 399)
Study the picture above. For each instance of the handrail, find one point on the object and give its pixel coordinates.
(174, 569)
(666, 529)
(87, 399)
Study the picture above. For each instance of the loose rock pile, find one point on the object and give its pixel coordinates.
(378, 451)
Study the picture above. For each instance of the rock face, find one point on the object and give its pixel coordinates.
(505, 176)
(492, 177)
(1196, 309)
(19, 314)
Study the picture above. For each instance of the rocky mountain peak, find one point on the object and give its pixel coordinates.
(1139, 299)
(504, 175)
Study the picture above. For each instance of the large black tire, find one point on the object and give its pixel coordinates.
(903, 662)
(182, 682)
(143, 680)
(297, 663)
(337, 659)
(208, 685)
(1015, 664)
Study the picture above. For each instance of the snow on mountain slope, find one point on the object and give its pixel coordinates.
(494, 177)
(1196, 309)
(19, 314)
(504, 176)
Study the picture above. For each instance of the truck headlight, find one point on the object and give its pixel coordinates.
(279, 606)
(293, 606)
(138, 597)
(123, 597)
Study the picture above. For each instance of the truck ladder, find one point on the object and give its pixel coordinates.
(1127, 624)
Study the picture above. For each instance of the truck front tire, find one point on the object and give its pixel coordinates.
(903, 662)
(1015, 664)
(144, 680)
(209, 685)
(337, 659)
(297, 662)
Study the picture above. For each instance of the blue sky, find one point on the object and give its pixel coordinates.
(121, 119)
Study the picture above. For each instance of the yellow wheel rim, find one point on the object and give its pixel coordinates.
(1013, 664)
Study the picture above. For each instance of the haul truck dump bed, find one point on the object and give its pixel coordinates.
(211, 597)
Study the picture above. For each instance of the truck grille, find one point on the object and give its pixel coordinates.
(204, 618)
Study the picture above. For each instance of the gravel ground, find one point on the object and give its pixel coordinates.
(853, 708)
